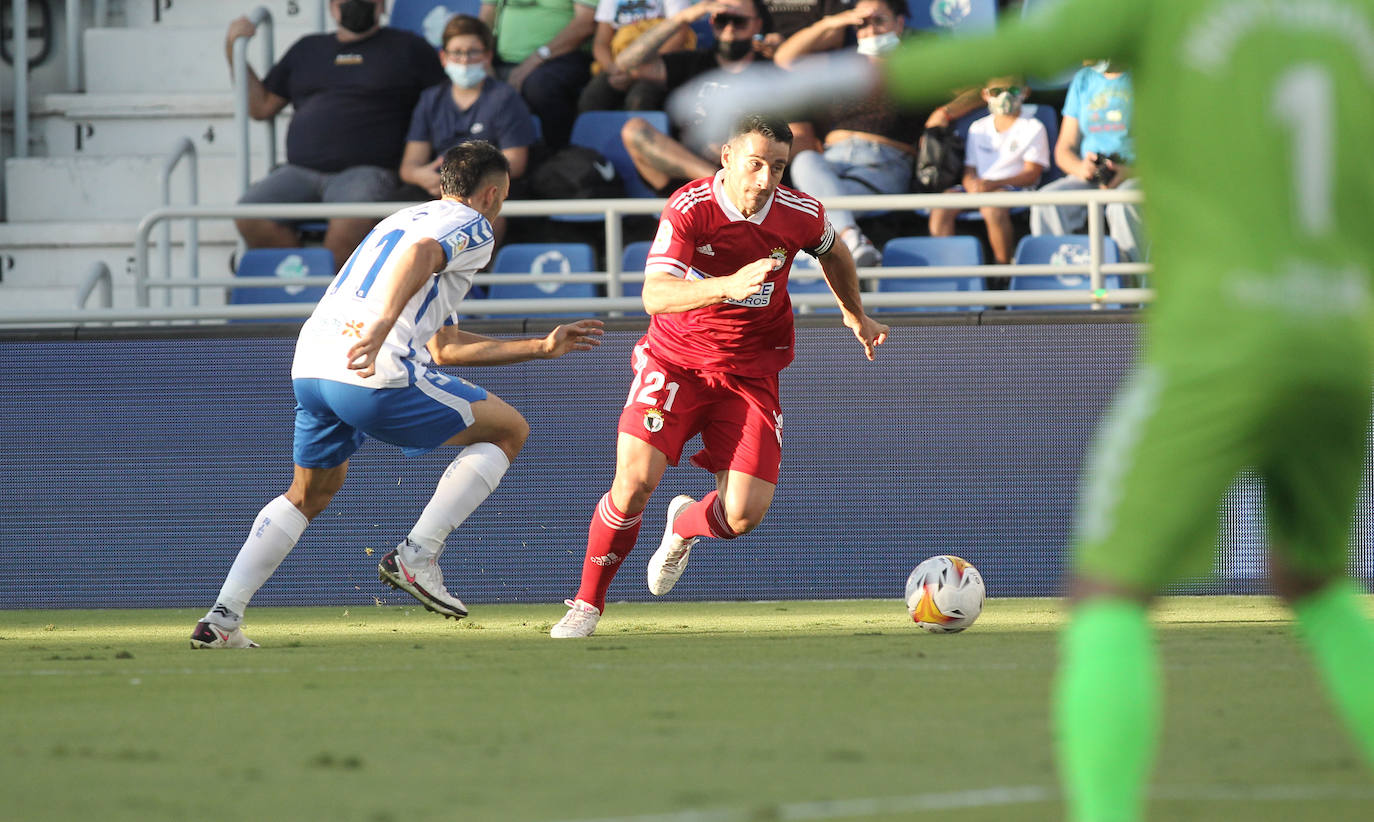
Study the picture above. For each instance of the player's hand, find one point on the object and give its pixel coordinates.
(583, 335)
(362, 357)
(746, 282)
(871, 334)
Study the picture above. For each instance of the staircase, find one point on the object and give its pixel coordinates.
(154, 72)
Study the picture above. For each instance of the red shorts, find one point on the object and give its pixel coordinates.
(739, 418)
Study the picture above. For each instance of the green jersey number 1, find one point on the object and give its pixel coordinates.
(1303, 102)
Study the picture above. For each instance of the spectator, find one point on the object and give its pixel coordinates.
(541, 50)
(1095, 150)
(473, 105)
(868, 147)
(352, 92)
(1005, 151)
(662, 161)
(619, 23)
(791, 16)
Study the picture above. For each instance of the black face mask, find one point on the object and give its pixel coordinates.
(357, 15)
(734, 49)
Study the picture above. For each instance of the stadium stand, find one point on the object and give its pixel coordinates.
(1069, 248)
(284, 264)
(543, 258)
(925, 251)
(427, 17)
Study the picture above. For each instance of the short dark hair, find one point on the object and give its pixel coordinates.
(460, 24)
(770, 126)
(466, 165)
(897, 7)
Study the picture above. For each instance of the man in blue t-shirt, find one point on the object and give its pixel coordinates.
(471, 105)
(1095, 150)
(352, 92)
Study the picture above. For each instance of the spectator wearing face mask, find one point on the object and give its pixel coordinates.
(869, 144)
(1096, 149)
(352, 92)
(472, 105)
(1004, 151)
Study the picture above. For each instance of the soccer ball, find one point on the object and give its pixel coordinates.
(944, 594)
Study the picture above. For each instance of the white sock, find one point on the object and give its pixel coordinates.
(275, 531)
(468, 480)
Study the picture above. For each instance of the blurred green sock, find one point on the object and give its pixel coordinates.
(1335, 627)
(1106, 711)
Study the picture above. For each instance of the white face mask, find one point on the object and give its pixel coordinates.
(1102, 66)
(878, 44)
(467, 75)
(1004, 103)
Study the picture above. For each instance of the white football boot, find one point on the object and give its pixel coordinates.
(670, 560)
(424, 582)
(209, 635)
(580, 620)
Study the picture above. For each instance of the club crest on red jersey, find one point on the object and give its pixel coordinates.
(653, 420)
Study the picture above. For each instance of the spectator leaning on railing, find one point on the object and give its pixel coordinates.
(352, 92)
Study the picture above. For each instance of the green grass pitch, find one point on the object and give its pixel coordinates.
(673, 712)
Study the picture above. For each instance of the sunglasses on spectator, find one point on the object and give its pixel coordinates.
(739, 21)
(466, 54)
(1012, 90)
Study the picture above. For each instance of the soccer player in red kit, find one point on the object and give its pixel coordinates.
(715, 286)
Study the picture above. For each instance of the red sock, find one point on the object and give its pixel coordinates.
(705, 518)
(610, 538)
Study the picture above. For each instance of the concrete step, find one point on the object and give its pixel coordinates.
(180, 60)
(65, 125)
(210, 13)
(60, 254)
(109, 188)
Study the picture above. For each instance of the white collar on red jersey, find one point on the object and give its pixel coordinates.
(734, 214)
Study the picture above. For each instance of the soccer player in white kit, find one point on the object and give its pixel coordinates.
(362, 370)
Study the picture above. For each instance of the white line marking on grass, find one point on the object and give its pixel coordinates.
(987, 798)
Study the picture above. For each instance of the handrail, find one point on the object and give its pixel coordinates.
(19, 17)
(613, 210)
(261, 17)
(184, 147)
(99, 275)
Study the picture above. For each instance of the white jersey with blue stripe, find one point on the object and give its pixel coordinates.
(358, 295)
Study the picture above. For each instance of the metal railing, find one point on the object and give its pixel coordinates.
(260, 17)
(73, 29)
(185, 147)
(613, 277)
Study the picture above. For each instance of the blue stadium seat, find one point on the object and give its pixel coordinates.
(1068, 248)
(633, 259)
(911, 251)
(806, 278)
(601, 130)
(285, 264)
(951, 16)
(543, 258)
(427, 18)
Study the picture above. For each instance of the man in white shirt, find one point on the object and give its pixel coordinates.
(361, 370)
(1004, 151)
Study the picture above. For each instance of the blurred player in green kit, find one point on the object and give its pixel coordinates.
(1252, 123)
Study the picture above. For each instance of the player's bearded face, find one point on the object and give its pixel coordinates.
(753, 168)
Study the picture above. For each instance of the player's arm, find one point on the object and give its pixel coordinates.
(413, 268)
(452, 346)
(667, 293)
(843, 278)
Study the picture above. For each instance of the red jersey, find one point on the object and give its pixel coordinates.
(703, 235)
